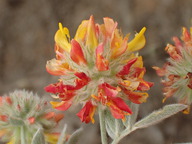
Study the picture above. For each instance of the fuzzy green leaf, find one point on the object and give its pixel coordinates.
(38, 137)
(75, 136)
(159, 115)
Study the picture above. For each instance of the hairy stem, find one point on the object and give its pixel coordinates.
(22, 134)
(102, 126)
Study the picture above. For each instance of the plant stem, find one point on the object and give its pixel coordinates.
(116, 127)
(22, 134)
(102, 126)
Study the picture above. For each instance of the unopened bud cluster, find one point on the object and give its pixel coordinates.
(25, 111)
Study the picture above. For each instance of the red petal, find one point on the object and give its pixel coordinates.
(76, 53)
(121, 104)
(87, 112)
(117, 113)
(109, 90)
(144, 86)
(66, 92)
(3, 118)
(82, 81)
(59, 88)
(52, 88)
(82, 75)
(126, 68)
(62, 106)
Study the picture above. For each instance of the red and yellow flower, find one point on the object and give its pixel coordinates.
(98, 67)
(177, 71)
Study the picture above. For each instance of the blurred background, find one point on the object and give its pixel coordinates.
(27, 29)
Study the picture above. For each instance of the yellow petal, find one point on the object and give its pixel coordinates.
(138, 42)
(56, 104)
(91, 41)
(62, 38)
(139, 62)
(52, 138)
(81, 31)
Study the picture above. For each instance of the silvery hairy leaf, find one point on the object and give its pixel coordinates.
(159, 115)
(73, 139)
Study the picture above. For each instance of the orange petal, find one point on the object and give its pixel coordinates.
(136, 97)
(31, 120)
(57, 67)
(58, 117)
(49, 115)
(116, 112)
(3, 118)
(8, 100)
(178, 44)
(59, 52)
(110, 26)
(173, 52)
(160, 71)
(101, 63)
(119, 48)
(186, 35)
(144, 86)
(76, 53)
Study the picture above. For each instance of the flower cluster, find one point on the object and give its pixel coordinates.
(22, 110)
(98, 68)
(177, 71)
